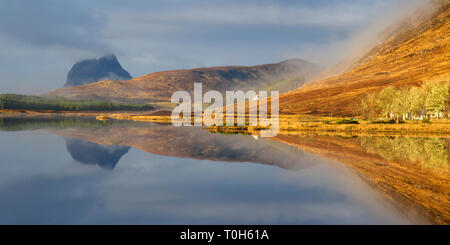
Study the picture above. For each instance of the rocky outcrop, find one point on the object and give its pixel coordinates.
(94, 70)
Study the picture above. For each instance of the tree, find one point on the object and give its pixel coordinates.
(369, 106)
(416, 97)
(437, 97)
(386, 100)
(431, 97)
(400, 103)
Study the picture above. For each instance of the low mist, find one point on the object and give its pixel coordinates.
(346, 51)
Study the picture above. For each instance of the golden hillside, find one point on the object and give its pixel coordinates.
(415, 50)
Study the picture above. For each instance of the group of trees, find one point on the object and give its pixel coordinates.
(429, 100)
(24, 102)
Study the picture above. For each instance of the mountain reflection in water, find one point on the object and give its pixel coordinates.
(86, 152)
(410, 172)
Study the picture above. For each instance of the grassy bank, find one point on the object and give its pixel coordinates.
(304, 123)
(36, 103)
(299, 123)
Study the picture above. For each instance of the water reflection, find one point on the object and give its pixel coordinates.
(20, 123)
(171, 185)
(194, 143)
(186, 142)
(412, 171)
(105, 156)
(430, 153)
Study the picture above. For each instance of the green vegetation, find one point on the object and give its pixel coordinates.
(389, 121)
(431, 153)
(244, 130)
(341, 121)
(429, 100)
(231, 132)
(347, 121)
(34, 123)
(35, 103)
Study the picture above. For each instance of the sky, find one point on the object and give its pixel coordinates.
(41, 40)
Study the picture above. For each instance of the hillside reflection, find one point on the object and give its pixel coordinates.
(103, 143)
(430, 153)
(411, 171)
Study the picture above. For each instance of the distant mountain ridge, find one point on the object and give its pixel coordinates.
(94, 70)
(159, 86)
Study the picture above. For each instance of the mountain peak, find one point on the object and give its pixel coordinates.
(93, 70)
(159, 86)
(109, 57)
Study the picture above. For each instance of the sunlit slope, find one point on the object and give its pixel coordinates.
(414, 50)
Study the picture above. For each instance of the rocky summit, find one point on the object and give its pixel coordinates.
(93, 70)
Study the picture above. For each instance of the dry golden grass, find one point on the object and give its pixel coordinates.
(409, 57)
(288, 125)
(291, 124)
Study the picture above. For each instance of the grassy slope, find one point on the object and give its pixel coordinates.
(413, 54)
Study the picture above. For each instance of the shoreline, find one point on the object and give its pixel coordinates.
(302, 124)
(288, 124)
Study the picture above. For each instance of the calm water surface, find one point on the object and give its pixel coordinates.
(151, 174)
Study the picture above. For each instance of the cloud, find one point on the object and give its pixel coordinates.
(240, 33)
(263, 15)
(53, 23)
(40, 41)
(333, 50)
(345, 13)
